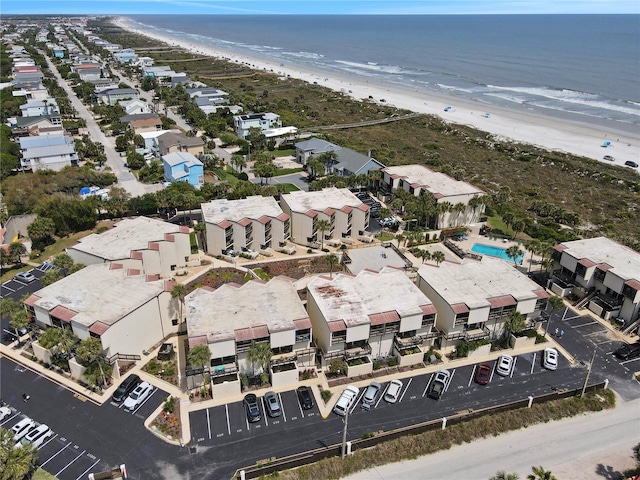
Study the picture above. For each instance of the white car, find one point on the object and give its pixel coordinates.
(346, 400)
(393, 391)
(138, 395)
(21, 428)
(550, 359)
(5, 412)
(35, 437)
(505, 365)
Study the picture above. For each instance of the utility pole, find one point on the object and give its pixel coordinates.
(343, 452)
(586, 380)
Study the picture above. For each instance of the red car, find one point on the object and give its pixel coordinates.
(483, 373)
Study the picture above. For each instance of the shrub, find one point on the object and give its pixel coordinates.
(326, 395)
(377, 365)
(393, 361)
(170, 404)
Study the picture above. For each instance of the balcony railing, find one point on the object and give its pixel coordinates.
(470, 335)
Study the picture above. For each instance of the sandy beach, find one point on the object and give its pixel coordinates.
(551, 134)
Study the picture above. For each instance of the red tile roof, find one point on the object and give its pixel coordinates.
(560, 248)
(98, 328)
(225, 224)
(337, 326)
(195, 341)
(63, 313)
(302, 323)
(502, 301)
(244, 222)
(604, 266)
(459, 308)
(585, 262)
(31, 300)
(251, 333)
(384, 317)
(541, 293)
(428, 309)
(633, 283)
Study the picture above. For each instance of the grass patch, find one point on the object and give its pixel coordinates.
(262, 274)
(386, 236)
(225, 176)
(41, 474)
(289, 152)
(290, 187)
(413, 446)
(287, 171)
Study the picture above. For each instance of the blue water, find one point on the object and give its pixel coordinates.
(494, 252)
(578, 67)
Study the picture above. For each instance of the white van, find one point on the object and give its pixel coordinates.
(346, 400)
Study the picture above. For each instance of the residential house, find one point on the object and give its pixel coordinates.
(53, 152)
(88, 71)
(144, 122)
(176, 141)
(183, 167)
(38, 126)
(251, 224)
(262, 121)
(475, 298)
(448, 192)
(347, 215)
(135, 107)
(126, 55)
(132, 312)
(369, 316)
(151, 246)
(103, 84)
(37, 108)
(601, 271)
(223, 320)
(347, 162)
(113, 96)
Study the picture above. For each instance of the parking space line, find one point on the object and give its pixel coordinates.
(10, 418)
(628, 361)
(47, 442)
(246, 420)
(145, 401)
(357, 401)
(69, 464)
(51, 458)
(584, 324)
(300, 407)
(473, 372)
(493, 370)
(264, 408)
(513, 367)
(226, 407)
(8, 288)
(284, 415)
(425, 388)
(405, 390)
(383, 394)
(85, 472)
(453, 372)
(209, 424)
(533, 363)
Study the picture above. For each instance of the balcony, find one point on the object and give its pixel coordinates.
(470, 335)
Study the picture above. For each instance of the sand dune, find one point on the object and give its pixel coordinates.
(548, 133)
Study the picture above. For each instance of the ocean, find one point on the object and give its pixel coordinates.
(584, 68)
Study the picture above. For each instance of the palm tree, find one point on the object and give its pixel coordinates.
(514, 323)
(63, 262)
(201, 230)
(323, 226)
(19, 319)
(260, 354)
(555, 302)
(539, 473)
(67, 343)
(89, 351)
(514, 252)
(331, 259)
(438, 257)
(502, 475)
(179, 291)
(199, 355)
(424, 255)
(18, 462)
(534, 246)
(16, 251)
(8, 307)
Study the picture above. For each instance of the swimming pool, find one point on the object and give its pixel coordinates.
(494, 252)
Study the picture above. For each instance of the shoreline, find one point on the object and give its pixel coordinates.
(504, 124)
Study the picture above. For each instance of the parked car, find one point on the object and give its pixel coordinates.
(505, 364)
(439, 384)
(305, 397)
(630, 163)
(273, 404)
(139, 394)
(371, 395)
(393, 391)
(628, 351)
(35, 437)
(5, 412)
(550, 358)
(25, 277)
(346, 400)
(21, 428)
(483, 373)
(608, 158)
(125, 388)
(252, 408)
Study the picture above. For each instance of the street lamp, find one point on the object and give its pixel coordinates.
(343, 450)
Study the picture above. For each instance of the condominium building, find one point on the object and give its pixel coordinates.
(475, 298)
(604, 273)
(231, 318)
(368, 316)
(347, 215)
(419, 180)
(251, 224)
(151, 246)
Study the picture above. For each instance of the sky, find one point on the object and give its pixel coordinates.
(340, 7)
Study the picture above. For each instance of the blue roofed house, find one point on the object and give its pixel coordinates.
(348, 162)
(183, 167)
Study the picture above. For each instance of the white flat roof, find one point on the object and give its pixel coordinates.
(125, 236)
(253, 208)
(434, 182)
(99, 293)
(473, 282)
(624, 260)
(353, 299)
(321, 200)
(374, 258)
(219, 313)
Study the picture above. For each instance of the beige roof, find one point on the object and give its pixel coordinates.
(231, 309)
(434, 182)
(253, 208)
(319, 201)
(126, 236)
(473, 283)
(354, 299)
(624, 261)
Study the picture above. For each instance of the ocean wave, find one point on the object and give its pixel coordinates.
(456, 89)
(371, 66)
(310, 55)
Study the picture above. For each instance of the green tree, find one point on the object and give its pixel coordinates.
(179, 291)
(502, 475)
(66, 343)
(50, 337)
(259, 354)
(41, 232)
(323, 226)
(16, 251)
(438, 257)
(63, 261)
(539, 473)
(338, 366)
(514, 323)
(199, 355)
(17, 463)
(555, 302)
(514, 252)
(8, 307)
(88, 351)
(19, 319)
(50, 276)
(331, 259)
